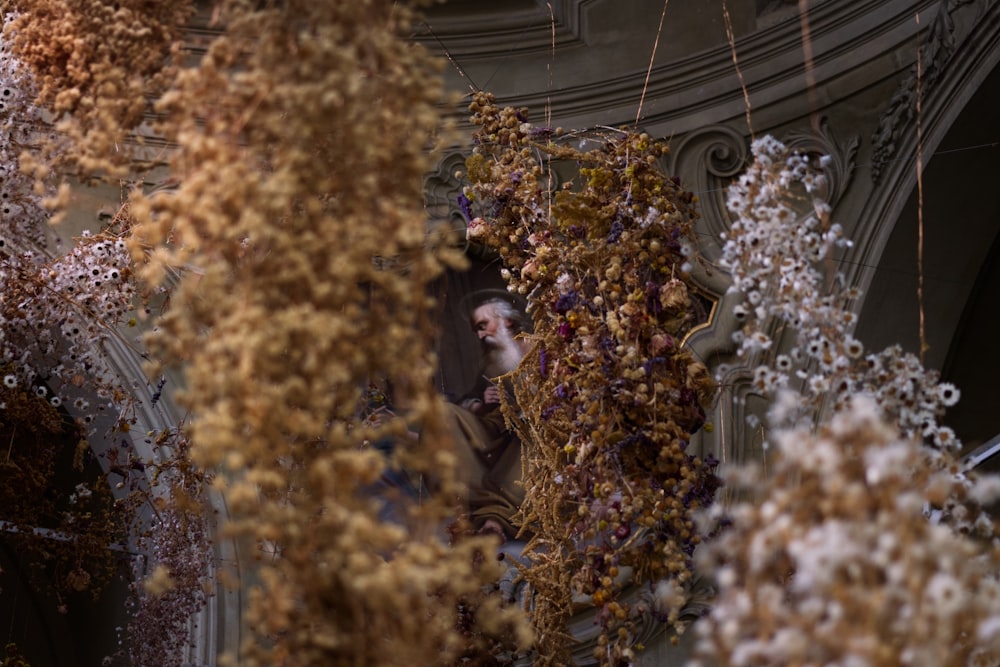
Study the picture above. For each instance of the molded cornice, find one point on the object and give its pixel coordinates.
(473, 30)
(854, 45)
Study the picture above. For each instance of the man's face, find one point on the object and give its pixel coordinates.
(486, 323)
(501, 353)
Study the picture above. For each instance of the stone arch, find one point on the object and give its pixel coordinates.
(151, 409)
(959, 216)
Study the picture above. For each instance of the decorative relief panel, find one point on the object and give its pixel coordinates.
(441, 191)
(838, 168)
(706, 161)
(950, 27)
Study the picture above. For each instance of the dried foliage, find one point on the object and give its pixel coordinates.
(97, 63)
(57, 511)
(608, 399)
(176, 544)
(304, 259)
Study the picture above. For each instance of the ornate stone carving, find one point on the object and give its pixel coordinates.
(521, 27)
(706, 160)
(441, 191)
(942, 40)
(838, 168)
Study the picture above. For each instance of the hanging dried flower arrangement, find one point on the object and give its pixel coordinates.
(608, 399)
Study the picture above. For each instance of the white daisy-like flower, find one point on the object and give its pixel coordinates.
(10, 380)
(945, 438)
(988, 629)
(853, 348)
(758, 340)
(948, 393)
(945, 595)
(819, 384)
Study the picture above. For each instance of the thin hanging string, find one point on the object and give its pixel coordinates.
(920, 203)
(649, 70)
(552, 59)
(548, 104)
(807, 56)
(461, 72)
(732, 46)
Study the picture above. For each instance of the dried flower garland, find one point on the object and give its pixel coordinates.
(63, 531)
(56, 309)
(608, 399)
(830, 558)
(777, 250)
(58, 313)
(304, 257)
(98, 62)
(172, 582)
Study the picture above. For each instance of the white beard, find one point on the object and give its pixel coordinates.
(502, 354)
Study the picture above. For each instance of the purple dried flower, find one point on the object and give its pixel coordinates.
(616, 231)
(566, 302)
(465, 206)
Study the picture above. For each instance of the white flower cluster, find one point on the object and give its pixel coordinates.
(830, 558)
(55, 312)
(55, 316)
(20, 207)
(780, 230)
(830, 561)
(776, 251)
